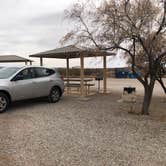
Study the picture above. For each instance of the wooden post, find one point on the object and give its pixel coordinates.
(67, 74)
(105, 73)
(82, 73)
(67, 68)
(30, 62)
(41, 61)
(26, 63)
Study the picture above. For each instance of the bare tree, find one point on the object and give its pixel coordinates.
(138, 27)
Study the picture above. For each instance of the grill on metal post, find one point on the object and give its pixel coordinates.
(98, 78)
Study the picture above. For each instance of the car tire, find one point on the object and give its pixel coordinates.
(4, 102)
(55, 95)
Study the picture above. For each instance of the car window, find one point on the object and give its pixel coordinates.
(32, 72)
(8, 72)
(43, 72)
(27, 74)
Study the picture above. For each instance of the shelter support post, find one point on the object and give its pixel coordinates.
(67, 68)
(67, 73)
(30, 62)
(41, 61)
(105, 74)
(26, 63)
(82, 74)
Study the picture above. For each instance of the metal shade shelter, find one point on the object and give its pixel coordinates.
(70, 52)
(14, 59)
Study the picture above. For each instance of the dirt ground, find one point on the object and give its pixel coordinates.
(97, 131)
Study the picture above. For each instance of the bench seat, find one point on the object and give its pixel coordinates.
(78, 86)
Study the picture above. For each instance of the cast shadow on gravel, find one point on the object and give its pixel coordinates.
(29, 104)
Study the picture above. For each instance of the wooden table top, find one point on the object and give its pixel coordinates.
(78, 79)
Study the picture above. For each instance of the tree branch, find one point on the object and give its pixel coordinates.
(161, 56)
(162, 24)
(89, 33)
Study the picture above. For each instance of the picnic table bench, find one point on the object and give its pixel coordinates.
(76, 83)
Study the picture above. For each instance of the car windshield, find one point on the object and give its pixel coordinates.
(8, 72)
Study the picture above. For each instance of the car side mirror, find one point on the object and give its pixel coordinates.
(18, 77)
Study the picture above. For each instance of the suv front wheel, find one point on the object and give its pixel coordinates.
(4, 102)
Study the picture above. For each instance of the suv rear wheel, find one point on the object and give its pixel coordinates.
(54, 95)
(4, 102)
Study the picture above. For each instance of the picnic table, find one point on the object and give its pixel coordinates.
(76, 83)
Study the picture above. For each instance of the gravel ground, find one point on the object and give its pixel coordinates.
(117, 85)
(74, 132)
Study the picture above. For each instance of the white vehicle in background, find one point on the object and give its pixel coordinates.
(20, 83)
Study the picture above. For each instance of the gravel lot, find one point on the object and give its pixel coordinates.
(74, 132)
(116, 85)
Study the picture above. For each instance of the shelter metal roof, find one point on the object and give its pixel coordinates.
(70, 51)
(13, 58)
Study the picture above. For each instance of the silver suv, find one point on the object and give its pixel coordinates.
(19, 83)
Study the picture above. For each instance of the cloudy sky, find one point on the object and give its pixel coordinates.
(32, 26)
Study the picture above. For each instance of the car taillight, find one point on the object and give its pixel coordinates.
(62, 77)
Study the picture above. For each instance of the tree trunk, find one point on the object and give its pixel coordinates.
(147, 98)
(162, 85)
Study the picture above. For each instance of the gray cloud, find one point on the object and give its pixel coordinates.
(31, 26)
(45, 19)
(27, 26)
